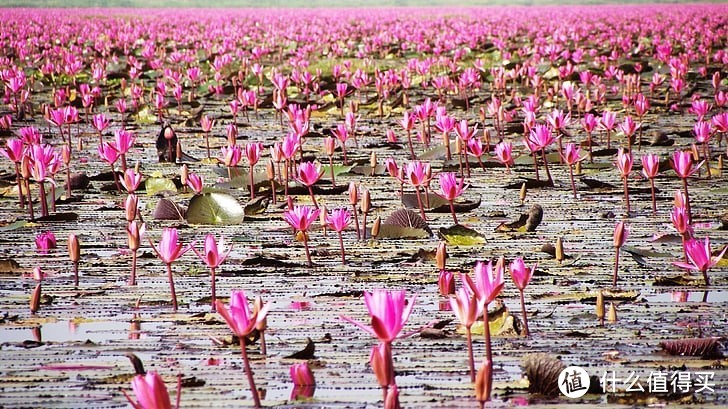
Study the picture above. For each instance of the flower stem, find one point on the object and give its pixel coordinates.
(409, 142)
(419, 202)
(356, 222)
(313, 198)
(471, 360)
(212, 288)
(308, 252)
(654, 203)
(525, 317)
(687, 200)
(626, 194)
(249, 373)
(546, 166)
(331, 166)
(75, 274)
(571, 176)
(616, 266)
(171, 286)
(488, 350)
(452, 210)
(252, 184)
(132, 279)
(341, 247)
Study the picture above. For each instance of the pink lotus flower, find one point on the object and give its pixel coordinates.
(571, 156)
(100, 122)
(628, 128)
(150, 392)
(301, 374)
(467, 310)
(45, 241)
(504, 153)
(169, 250)
(131, 180)
(700, 257)
(680, 221)
(252, 153)
(487, 282)
(624, 164)
(682, 163)
(213, 252)
(450, 189)
(239, 316)
(446, 282)
(650, 168)
(13, 150)
(242, 321)
(300, 218)
(194, 181)
(231, 155)
(521, 276)
(308, 174)
(389, 311)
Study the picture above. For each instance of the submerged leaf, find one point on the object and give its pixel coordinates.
(459, 235)
(156, 185)
(214, 208)
(407, 218)
(168, 210)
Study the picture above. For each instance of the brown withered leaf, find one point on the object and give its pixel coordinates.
(708, 348)
(306, 353)
(542, 371)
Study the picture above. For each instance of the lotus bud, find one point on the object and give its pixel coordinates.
(620, 234)
(441, 255)
(577, 168)
(483, 382)
(137, 166)
(322, 218)
(373, 162)
(184, 172)
(74, 250)
(38, 274)
(522, 194)
(130, 207)
(375, 227)
(232, 134)
(66, 154)
(696, 154)
(720, 165)
(600, 306)
(380, 360)
(612, 313)
(168, 133)
(35, 299)
(353, 194)
(330, 145)
(446, 282)
(458, 146)
(270, 170)
(179, 150)
(559, 250)
(366, 201)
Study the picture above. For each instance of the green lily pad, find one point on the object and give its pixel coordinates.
(156, 185)
(459, 235)
(215, 208)
(146, 117)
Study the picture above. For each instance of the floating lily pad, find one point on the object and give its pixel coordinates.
(215, 208)
(438, 204)
(166, 209)
(459, 235)
(407, 218)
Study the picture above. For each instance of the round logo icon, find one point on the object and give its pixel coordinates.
(573, 382)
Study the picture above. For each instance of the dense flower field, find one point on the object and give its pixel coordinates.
(338, 199)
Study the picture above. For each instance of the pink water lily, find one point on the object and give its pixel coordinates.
(194, 181)
(700, 257)
(242, 320)
(467, 310)
(150, 391)
(521, 276)
(301, 218)
(308, 174)
(389, 311)
(339, 219)
(213, 254)
(682, 163)
(301, 374)
(650, 168)
(169, 250)
(450, 189)
(131, 180)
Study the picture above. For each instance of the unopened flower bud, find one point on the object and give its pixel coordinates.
(353, 194)
(559, 250)
(612, 313)
(74, 249)
(366, 201)
(441, 255)
(375, 227)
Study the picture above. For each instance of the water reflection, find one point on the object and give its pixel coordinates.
(683, 296)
